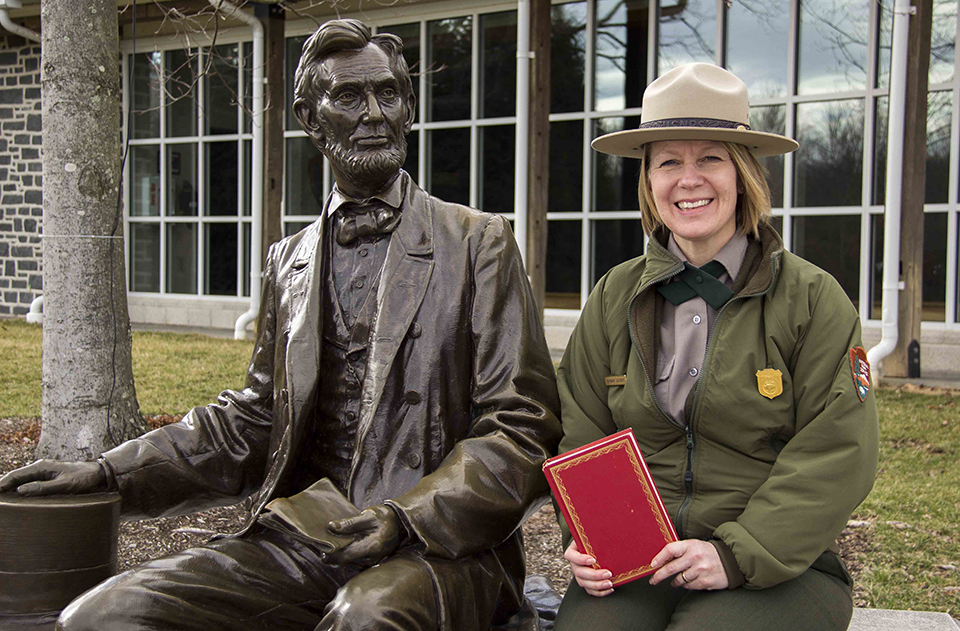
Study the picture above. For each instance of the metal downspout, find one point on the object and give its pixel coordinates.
(891, 224)
(9, 25)
(521, 169)
(256, 171)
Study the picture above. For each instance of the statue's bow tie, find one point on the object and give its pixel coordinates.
(361, 219)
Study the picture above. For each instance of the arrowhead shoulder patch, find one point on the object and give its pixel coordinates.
(860, 368)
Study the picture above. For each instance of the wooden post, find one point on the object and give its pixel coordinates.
(912, 196)
(539, 157)
(272, 18)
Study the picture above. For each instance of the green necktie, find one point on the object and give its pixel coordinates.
(698, 281)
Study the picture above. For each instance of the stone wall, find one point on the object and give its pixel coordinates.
(21, 181)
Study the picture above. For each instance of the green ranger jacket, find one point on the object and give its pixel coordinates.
(771, 481)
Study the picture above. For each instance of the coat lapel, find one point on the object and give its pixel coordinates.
(302, 360)
(403, 284)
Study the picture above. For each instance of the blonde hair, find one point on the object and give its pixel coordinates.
(753, 205)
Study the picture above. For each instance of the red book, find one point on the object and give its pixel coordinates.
(611, 505)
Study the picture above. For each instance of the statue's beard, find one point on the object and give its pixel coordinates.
(371, 167)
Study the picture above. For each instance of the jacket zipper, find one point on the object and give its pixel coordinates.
(653, 395)
(691, 441)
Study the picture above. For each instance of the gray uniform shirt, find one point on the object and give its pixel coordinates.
(684, 330)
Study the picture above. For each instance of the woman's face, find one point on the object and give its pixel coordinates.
(694, 185)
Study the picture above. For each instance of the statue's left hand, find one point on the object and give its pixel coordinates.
(48, 477)
(377, 533)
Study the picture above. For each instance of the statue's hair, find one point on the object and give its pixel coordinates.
(343, 35)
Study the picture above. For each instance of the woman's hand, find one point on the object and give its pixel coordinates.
(694, 564)
(594, 582)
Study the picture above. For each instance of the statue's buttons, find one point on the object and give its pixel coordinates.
(412, 397)
(416, 330)
(414, 460)
(351, 385)
(351, 416)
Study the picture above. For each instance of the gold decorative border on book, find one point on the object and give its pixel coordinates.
(578, 526)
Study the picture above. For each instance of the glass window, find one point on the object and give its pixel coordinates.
(247, 190)
(294, 47)
(145, 93)
(939, 106)
(568, 51)
(688, 32)
(756, 46)
(563, 264)
(181, 69)
(771, 118)
(777, 223)
(884, 42)
(498, 153)
(222, 178)
(245, 269)
(144, 181)
(829, 163)
(934, 289)
(934, 267)
(248, 87)
(943, 41)
(498, 63)
(880, 123)
(144, 257)
(220, 254)
(448, 65)
(293, 227)
(182, 258)
(833, 244)
(832, 48)
(182, 180)
(410, 34)
(620, 54)
(412, 164)
(449, 160)
(566, 166)
(304, 172)
(876, 267)
(614, 178)
(615, 241)
(221, 89)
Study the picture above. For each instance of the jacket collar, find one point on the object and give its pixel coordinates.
(758, 274)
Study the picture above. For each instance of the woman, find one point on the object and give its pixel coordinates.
(746, 384)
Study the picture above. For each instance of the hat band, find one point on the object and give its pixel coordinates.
(715, 123)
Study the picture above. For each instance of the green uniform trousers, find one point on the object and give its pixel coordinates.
(820, 599)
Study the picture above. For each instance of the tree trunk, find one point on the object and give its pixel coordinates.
(89, 400)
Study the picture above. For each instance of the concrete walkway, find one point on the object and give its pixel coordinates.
(887, 620)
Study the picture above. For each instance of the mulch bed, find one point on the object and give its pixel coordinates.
(145, 540)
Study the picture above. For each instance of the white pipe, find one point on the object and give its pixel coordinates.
(523, 124)
(256, 171)
(35, 315)
(891, 223)
(16, 29)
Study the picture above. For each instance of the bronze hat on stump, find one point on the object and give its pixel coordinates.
(52, 549)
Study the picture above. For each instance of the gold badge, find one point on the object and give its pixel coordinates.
(615, 380)
(770, 382)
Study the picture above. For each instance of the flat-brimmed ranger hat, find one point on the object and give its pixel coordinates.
(695, 102)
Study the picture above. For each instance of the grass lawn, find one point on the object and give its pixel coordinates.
(907, 531)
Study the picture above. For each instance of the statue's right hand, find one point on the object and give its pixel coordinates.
(50, 477)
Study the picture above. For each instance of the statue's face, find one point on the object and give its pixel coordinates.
(363, 117)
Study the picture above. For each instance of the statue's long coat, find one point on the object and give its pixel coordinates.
(459, 406)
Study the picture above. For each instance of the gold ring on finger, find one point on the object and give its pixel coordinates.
(683, 577)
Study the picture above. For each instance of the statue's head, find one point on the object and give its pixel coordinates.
(353, 96)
